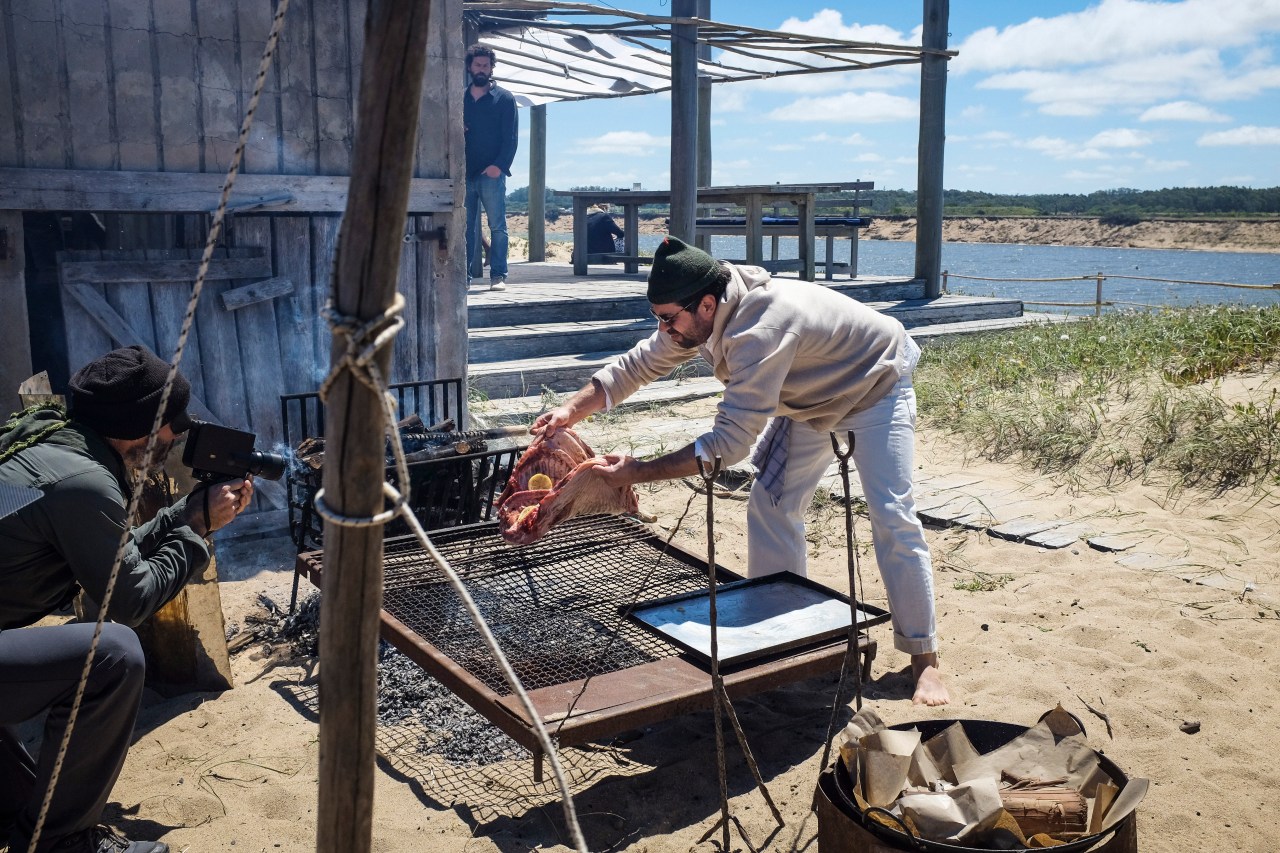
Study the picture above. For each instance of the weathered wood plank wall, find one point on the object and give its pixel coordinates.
(122, 86)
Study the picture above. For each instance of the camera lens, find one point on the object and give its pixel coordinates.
(268, 465)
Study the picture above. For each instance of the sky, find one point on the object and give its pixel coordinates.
(1050, 96)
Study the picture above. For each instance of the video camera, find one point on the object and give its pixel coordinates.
(217, 453)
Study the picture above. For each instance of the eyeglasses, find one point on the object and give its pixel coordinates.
(668, 319)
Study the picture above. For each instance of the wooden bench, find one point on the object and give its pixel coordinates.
(830, 227)
(776, 225)
(617, 257)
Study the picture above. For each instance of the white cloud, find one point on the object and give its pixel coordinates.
(626, 143)
(827, 138)
(973, 111)
(728, 99)
(829, 23)
(1120, 137)
(1118, 30)
(1132, 53)
(1165, 165)
(1246, 135)
(1062, 149)
(1182, 111)
(985, 136)
(849, 107)
(868, 157)
(785, 146)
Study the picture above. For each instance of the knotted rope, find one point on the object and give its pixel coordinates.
(363, 342)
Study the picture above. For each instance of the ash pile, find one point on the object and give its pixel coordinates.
(407, 696)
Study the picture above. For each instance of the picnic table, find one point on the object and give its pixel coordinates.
(753, 199)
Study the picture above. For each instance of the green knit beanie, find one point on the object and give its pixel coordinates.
(679, 271)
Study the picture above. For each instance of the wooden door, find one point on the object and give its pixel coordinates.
(236, 354)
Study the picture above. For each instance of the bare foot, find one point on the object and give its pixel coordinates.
(929, 687)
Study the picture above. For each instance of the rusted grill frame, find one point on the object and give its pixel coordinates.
(613, 702)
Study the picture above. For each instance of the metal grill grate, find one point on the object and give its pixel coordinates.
(553, 606)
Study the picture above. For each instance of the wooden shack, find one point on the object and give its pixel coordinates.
(119, 124)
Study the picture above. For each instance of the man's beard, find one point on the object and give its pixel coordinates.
(135, 458)
(479, 78)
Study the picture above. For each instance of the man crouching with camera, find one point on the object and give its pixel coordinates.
(67, 540)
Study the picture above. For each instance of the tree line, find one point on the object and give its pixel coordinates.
(1115, 204)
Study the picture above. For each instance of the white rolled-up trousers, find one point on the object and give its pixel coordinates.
(884, 455)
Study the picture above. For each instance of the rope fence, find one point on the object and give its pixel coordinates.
(1099, 279)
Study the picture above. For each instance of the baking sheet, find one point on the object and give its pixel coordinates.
(755, 617)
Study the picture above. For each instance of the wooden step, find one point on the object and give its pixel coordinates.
(529, 377)
(502, 343)
(590, 299)
(531, 339)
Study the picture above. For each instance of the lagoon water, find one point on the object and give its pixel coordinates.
(1017, 261)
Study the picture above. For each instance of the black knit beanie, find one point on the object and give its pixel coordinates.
(679, 271)
(117, 394)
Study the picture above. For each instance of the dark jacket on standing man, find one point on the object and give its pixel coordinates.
(491, 126)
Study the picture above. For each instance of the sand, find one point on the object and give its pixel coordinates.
(1023, 628)
(1209, 235)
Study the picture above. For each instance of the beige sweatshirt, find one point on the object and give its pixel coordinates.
(790, 348)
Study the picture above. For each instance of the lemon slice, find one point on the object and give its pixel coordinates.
(540, 481)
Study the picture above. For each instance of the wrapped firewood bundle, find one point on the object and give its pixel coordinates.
(1055, 810)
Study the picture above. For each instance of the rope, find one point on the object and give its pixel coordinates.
(135, 495)
(855, 574)
(635, 599)
(363, 341)
(720, 696)
(1095, 276)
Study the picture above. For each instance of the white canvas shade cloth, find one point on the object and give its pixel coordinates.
(610, 53)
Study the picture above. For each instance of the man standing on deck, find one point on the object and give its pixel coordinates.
(798, 362)
(490, 125)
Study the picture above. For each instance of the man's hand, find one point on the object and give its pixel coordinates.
(219, 503)
(618, 470)
(548, 422)
(492, 171)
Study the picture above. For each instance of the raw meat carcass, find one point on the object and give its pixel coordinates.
(550, 483)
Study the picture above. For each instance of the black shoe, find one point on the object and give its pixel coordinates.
(104, 839)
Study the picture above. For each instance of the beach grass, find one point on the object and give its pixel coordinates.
(1149, 395)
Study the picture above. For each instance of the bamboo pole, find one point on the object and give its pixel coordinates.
(365, 273)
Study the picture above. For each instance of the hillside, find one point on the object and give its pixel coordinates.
(1213, 235)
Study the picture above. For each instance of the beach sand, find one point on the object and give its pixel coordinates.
(1023, 628)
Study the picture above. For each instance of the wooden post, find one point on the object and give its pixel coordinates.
(704, 106)
(933, 108)
(365, 274)
(684, 122)
(538, 183)
(15, 367)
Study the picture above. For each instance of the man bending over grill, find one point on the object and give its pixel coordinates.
(798, 362)
(67, 540)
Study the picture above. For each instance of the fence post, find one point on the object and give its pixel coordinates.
(944, 282)
(1097, 299)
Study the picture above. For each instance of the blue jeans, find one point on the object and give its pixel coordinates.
(491, 194)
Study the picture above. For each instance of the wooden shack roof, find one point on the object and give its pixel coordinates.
(573, 51)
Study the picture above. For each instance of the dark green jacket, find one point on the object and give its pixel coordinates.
(69, 537)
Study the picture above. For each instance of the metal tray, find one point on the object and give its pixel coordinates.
(755, 618)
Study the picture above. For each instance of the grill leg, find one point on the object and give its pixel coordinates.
(868, 647)
(538, 774)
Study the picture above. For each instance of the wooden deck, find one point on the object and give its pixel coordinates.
(551, 329)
